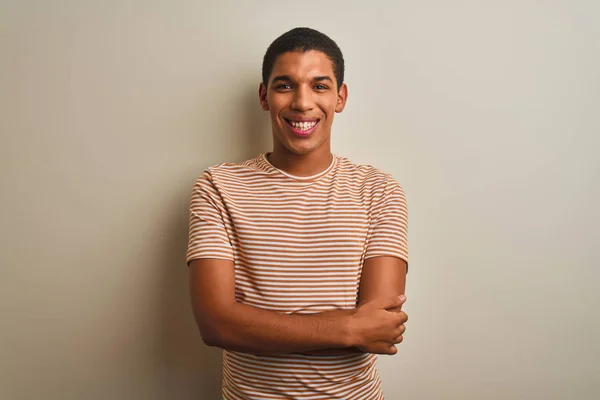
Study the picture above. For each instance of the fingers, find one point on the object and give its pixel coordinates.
(386, 347)
(401, 299)
(399, 334)
(401, 330)
(401, 317)
(387, 303)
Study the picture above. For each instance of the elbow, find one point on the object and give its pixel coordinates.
(208, 336)
(215, 325)
(212, 338)
(211, 332)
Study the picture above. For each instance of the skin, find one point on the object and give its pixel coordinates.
(227, 324)
(382, 277)
(301, 86)
(308, 90)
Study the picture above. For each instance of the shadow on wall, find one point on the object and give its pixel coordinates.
(193, 370)
(257, 125)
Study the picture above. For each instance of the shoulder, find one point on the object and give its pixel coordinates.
(367, 176)
(231, 172)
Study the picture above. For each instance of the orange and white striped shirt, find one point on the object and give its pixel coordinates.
(298, 245)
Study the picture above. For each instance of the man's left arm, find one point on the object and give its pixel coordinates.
(385, 265)
(382, 276)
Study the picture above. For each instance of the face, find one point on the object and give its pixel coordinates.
(302, 98)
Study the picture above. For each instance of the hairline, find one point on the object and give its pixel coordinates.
(305, 49)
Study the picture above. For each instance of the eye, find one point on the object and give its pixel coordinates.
(284, 86)
(320, 87)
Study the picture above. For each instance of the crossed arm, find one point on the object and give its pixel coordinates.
(225, 323)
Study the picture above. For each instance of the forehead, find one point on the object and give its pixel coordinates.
(303, 65)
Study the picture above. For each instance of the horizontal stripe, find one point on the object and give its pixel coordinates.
(297, 246)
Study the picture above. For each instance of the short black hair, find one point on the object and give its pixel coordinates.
(304, 39)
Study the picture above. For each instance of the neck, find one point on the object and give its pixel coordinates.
(301, 164)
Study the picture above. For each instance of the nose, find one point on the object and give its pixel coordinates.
(302, 100)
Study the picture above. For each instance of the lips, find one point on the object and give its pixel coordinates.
(303, 128)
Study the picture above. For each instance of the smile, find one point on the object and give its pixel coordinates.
(303, 128)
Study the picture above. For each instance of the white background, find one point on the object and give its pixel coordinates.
(487, 112)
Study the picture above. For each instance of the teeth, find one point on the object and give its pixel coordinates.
(303, 126)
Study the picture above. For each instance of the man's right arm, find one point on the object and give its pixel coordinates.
(231, 325)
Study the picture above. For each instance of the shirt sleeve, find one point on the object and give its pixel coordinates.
(208, 236)
(389, 228)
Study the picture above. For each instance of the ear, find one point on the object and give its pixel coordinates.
(262, 96)
(341, 98)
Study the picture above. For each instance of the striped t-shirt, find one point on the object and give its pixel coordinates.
(298, 245)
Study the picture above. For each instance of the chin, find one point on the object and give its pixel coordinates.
(299, 146)
(299, 150)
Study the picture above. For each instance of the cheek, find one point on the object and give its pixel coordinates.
(274, 112)
(328, 106)
(276, 106)
(329, 112)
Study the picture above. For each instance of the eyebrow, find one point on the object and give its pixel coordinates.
(286, 78)
(323, 78)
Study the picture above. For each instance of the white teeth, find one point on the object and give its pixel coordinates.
(304, 126)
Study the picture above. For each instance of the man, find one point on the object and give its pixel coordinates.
(298, 257)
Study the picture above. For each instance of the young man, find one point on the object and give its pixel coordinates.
(298, 257)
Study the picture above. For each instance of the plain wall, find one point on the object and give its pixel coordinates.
(487, 112)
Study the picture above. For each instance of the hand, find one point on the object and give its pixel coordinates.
(376, 326)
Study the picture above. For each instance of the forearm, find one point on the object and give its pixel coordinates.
(345, 350)
(254, 330)
(335, 351)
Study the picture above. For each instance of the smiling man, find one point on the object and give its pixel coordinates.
(298, 257)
